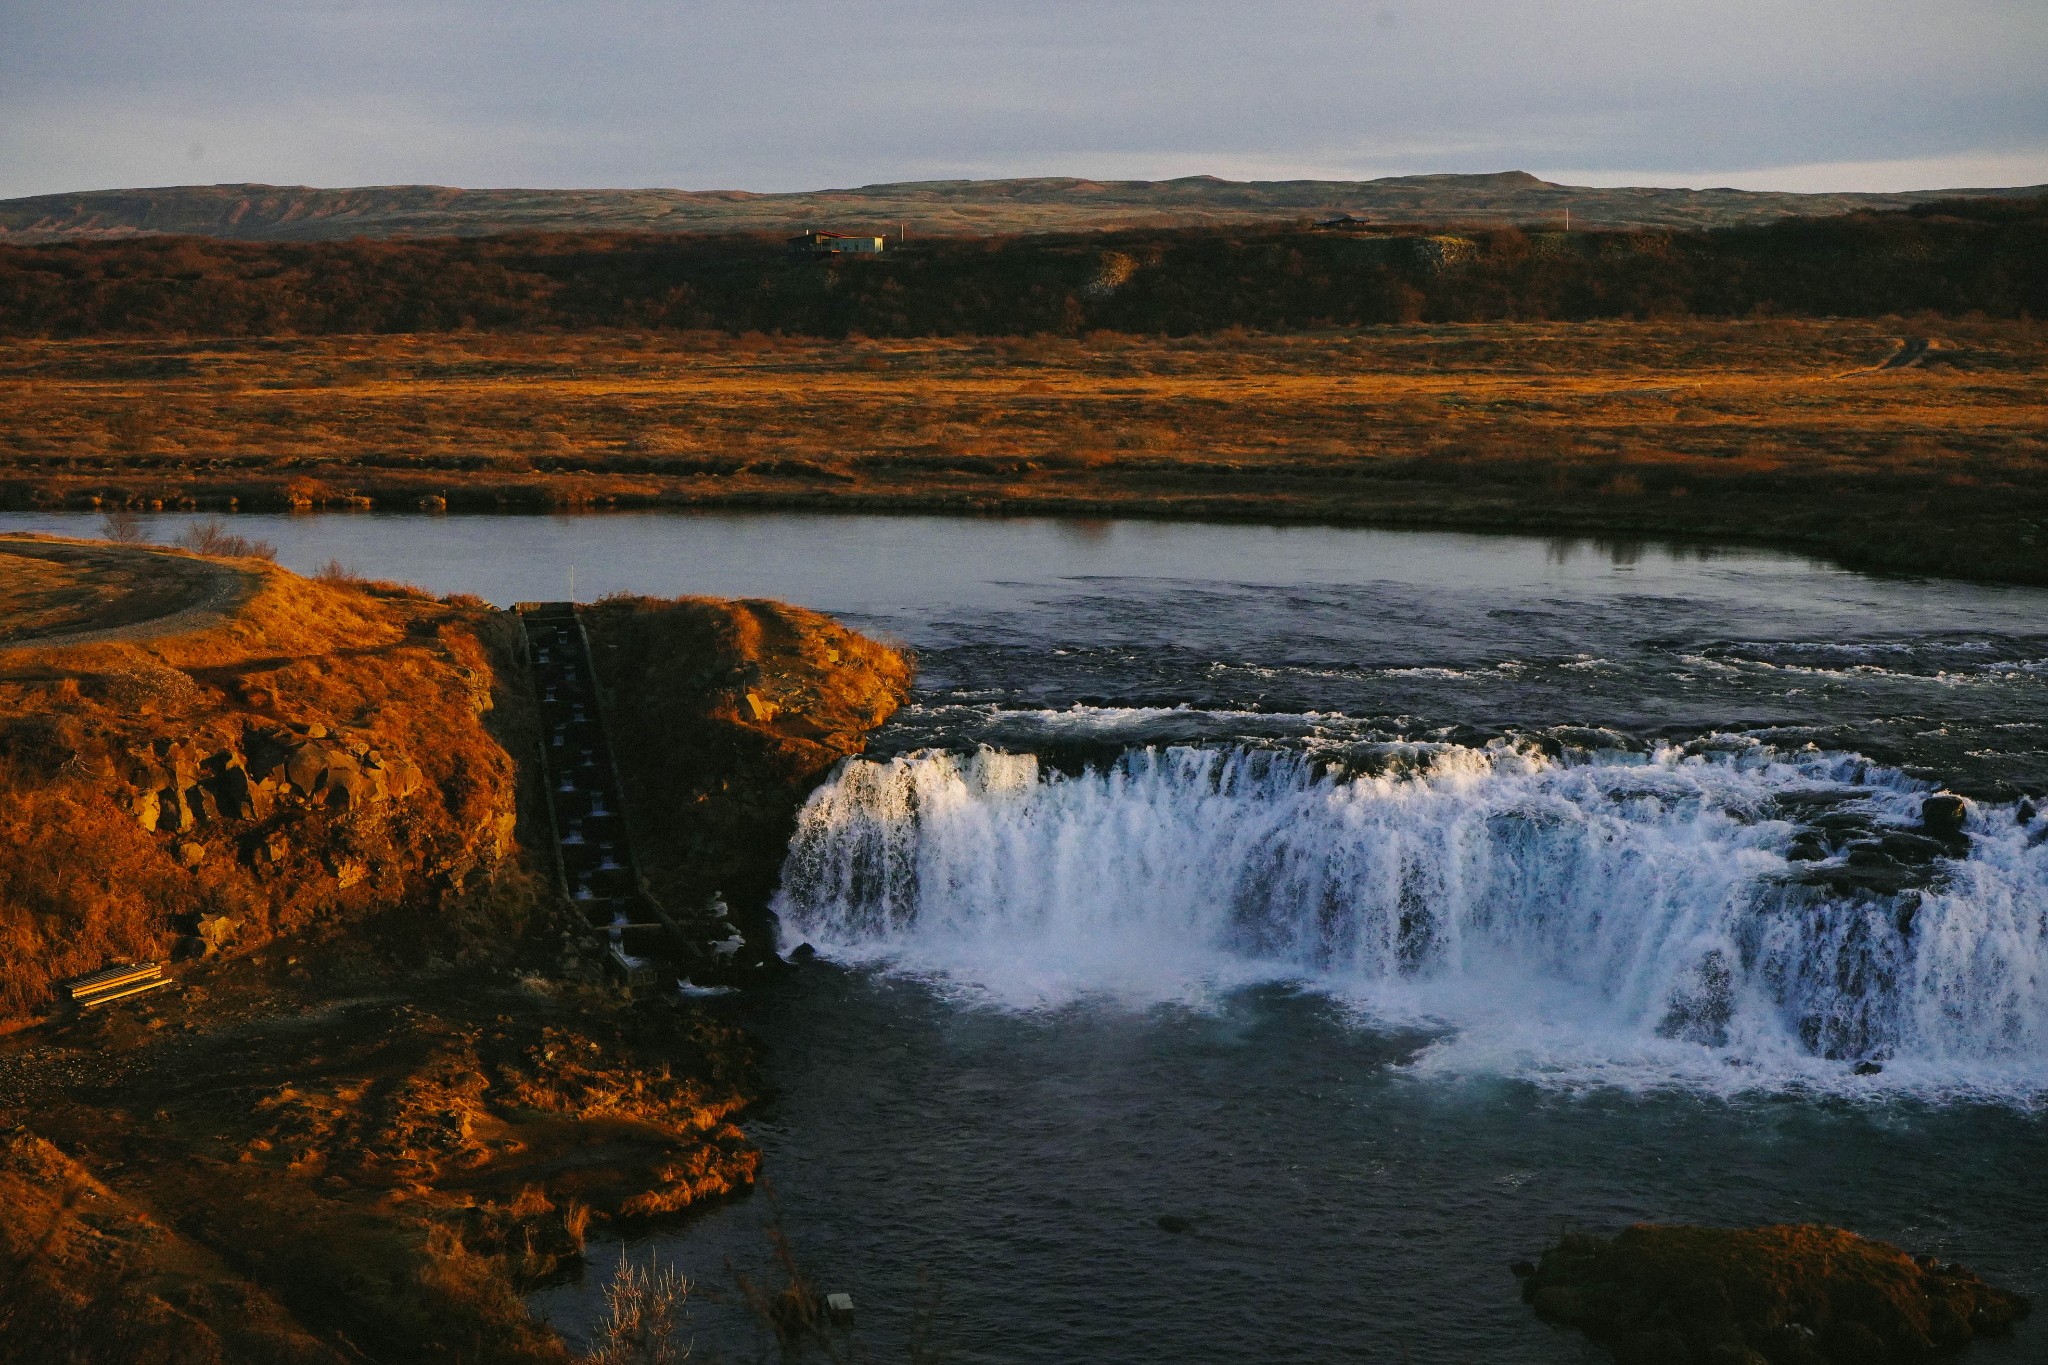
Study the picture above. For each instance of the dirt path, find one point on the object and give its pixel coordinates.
(64, 592)
(1912, 353)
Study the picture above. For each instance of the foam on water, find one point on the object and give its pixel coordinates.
(1606, 919)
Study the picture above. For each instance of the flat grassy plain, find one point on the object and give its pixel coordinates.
(1777, 431)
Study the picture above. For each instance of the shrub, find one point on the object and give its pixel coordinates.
(214, 538)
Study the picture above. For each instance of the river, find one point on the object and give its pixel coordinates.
(1366, 905)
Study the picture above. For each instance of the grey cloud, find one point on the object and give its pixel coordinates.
(804, 93)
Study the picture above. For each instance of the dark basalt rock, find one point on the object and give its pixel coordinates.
(1780, 1295)
(1943, 814)
(1879, 877)
(1907, 847)
(1808, 848)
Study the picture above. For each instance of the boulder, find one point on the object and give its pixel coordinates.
(267, 752)
(178, 763)
(171, 811)
(1790, 1295)
(344, 786)
(1907, 847)
(191, 854)
(202, 804)
(303, 767)
(239, 796)
(1942, 815)
(145, 807)
(217, 931)
(347, 871)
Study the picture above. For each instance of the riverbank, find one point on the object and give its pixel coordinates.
(390, 1088)
(1789, 433)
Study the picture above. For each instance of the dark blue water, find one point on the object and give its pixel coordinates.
(1342, 1209)
(1377, 1024)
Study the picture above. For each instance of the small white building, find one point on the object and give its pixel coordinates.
(822, 243)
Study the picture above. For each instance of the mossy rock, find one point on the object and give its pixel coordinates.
(1778, 1295)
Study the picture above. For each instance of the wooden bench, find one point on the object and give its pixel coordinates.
(114, 983)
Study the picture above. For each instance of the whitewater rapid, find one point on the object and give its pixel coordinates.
(1689, 915)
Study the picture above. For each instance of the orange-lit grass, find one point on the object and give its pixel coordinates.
(83, 883)
(1773, 430)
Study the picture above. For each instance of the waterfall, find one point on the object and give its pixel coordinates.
(1680, 904)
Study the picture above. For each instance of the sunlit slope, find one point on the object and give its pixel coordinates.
(261, 755)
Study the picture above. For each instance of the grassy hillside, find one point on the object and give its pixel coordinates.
(322, 752)
(937, 207)
(1988, 256)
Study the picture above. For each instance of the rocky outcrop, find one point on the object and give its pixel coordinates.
(1848, 851)
(1441, 253)
(180, 784)
(1781, 1295)
(736, 711)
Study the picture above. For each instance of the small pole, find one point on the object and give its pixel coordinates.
(1567, 217)
(572, 582)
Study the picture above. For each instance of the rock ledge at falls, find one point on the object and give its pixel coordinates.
(735, 710)
(1779, 1295)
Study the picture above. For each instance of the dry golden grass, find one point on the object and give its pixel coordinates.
(1774, 430)
(60, 589)
(400, 1095)
(89, 731)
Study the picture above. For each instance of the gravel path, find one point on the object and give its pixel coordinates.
(203, 592)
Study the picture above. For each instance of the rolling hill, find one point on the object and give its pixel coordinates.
(940, 207)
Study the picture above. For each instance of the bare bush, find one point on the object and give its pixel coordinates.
(214, 538)
(122, 526)
(646, 1310)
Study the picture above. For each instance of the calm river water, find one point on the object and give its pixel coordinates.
(1366, 905)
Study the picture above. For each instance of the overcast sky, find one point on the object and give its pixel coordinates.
(805, 94)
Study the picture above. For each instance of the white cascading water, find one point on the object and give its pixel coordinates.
(1614, 919)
